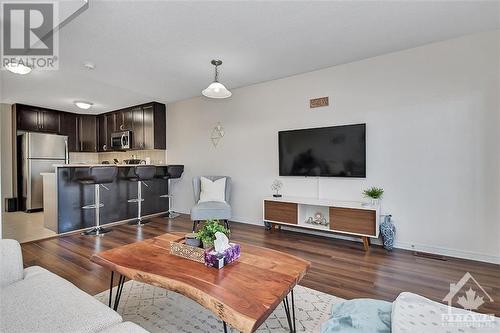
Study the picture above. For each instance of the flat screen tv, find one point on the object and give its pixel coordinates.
(338, 151)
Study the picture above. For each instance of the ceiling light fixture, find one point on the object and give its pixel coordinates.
(216, 89)
(89, 65)
(83, 105)
(17, 68)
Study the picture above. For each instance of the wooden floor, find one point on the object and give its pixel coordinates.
(339, 267)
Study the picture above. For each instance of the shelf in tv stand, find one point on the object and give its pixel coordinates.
(351, 218)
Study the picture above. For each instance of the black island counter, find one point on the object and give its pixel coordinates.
(65, 195)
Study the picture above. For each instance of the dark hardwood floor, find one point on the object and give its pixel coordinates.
(341, 268)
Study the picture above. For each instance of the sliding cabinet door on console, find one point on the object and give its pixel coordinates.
(358, 221)
(284, 212)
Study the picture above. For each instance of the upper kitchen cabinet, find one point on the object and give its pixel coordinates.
(106, 126)
(87, 133)
(69, 127)
(149, 126)
(124, 120)
(49, 120)
(35, 119)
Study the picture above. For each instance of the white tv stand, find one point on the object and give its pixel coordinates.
(345, 217)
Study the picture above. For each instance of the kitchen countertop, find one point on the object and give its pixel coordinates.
(94, 165)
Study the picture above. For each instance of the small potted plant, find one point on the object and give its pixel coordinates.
(207, 234)
(375, 194)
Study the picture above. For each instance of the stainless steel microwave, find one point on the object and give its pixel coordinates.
(121, 140)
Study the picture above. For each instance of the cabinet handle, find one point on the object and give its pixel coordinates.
(122, 127)
(104, 147)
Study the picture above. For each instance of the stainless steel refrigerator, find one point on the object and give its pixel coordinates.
(39, 153)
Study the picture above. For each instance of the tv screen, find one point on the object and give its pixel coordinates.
(338, 151)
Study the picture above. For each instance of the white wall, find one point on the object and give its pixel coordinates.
(6, 150)
(6, 182)
(432, 116)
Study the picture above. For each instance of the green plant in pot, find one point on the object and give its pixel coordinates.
(375, 194)
(207, 234)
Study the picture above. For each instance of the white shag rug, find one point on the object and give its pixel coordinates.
(159, 310)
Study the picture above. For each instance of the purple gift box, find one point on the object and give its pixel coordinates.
(213, 259)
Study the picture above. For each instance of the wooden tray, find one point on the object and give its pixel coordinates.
(181, 249)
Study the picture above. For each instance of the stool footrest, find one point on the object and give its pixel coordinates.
(93, 206)
(135, 200)
(166, 196)
(96, 231)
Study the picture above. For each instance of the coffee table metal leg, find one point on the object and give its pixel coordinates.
(225, 326)
(111, 288)
(119, 290)
(287, 312)
(290, 312)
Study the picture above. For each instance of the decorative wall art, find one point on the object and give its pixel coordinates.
(217, 134)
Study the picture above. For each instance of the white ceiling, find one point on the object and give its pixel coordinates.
(161, 50)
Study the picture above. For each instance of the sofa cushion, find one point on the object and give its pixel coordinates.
(43, 302)
(125, 327)
(360, 316)
(11, 262)
(211, 210)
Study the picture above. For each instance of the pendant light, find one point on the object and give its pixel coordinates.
(216, 89)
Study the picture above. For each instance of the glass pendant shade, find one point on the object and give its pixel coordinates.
(216, 90)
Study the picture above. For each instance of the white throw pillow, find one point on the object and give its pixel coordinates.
(213, 190)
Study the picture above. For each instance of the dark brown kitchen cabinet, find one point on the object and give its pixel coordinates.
(69, 127)
(87, 133)
(106, 126)
(149, 127)
(138, 128)
(124, 120)
(35, 119)
(27, 118)
(48, 121)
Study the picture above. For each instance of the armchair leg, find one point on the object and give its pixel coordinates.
(226, 224)
(195, 225)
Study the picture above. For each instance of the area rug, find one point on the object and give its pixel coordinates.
(159, 310)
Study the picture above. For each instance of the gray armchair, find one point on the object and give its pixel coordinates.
(211, 209)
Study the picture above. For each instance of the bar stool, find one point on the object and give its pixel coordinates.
(141, 173)
(173, 172)
(97, 176)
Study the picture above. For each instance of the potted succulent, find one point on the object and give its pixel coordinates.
(375, 194)
(207, 234)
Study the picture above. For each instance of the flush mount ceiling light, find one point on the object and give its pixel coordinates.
(17, 68)
(216, 89)
(83, 105)
(89, 65)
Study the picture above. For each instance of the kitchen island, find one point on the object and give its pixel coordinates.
(69, 196)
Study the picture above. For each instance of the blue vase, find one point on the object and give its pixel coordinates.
(388, 231)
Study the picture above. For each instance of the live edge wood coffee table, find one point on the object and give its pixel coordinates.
(242, 294)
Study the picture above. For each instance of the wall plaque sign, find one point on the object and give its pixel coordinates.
(318, 102)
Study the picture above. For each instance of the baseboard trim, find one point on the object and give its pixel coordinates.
(449, 252)
(399, 245)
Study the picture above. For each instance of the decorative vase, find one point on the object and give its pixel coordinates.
(388, 231)
(375, 202)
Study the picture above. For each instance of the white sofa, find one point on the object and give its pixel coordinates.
(36, 300)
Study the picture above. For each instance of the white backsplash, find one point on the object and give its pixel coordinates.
(156, 156)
